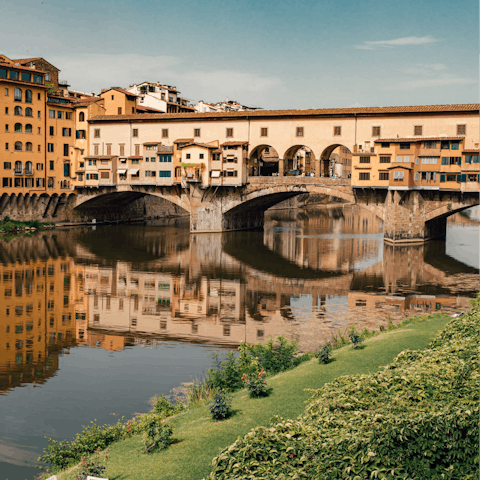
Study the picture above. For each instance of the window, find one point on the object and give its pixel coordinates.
(104, 174)
(299, 131)
(164, 132)
(418, 130)
(39, 130)
(18, 167)
(264, 132)
(165, 173)
(364, 159)
(28, 147)
(383, 176)
(28, 112)
(18, 146)
(384, 159)
(50, 147)
(122, 150)
(109, 149)
(404, 146)
(18, 95)
(229, 132)
(337, 131)
(16, 111)
(461, 129)
(399, 159)
(39, 166)
(81, 134)
(96, 133)
(28, 96)
(18, 128)
(135, 132)
(7, 165)
(188, 156)
(51, 165)
(81, 117)
(6, 91)
(398, 175)
(95, 149)
(137, 150)
(196, 132)
(39, 114)
(6, 146)
(51, 114)
(454, 145)
(50, 182)
(7, 182)
(445, 145)
(38, 78)
(13, 75)
(119, 110)
(59, 114)
(364, 176)
(67, 132)
(39, 96)
(6, 127)
(52, 131)
(375, 131)
(428, 160)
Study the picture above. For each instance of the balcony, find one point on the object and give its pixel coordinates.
(28, 172)
(18, 171)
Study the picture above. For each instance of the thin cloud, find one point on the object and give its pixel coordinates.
(397, 42)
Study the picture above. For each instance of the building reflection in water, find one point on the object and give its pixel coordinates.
(304, 276)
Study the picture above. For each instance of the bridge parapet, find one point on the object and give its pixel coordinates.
(320, 181)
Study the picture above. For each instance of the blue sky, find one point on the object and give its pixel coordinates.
(273, 54)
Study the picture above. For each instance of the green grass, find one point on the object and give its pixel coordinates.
(197, 438)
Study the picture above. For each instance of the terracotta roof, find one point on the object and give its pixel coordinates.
(415, 139)
(99, 157)
(365, 111)
(151, 144)
(28, 60)
(233, 144)
(472, 150)
(121, 90)
(364, 154)
(21, 67)
(398, 165)
(165, 149)
(183, 140)
(193, 144)
(218, 150)
(148, 109)
(83, 102)
(135, 157)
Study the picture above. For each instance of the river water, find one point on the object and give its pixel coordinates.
(96, 320)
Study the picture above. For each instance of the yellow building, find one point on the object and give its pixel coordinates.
(118, 101)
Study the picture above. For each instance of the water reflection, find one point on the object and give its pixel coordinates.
(304, 276)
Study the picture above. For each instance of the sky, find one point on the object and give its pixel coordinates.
(271, 54)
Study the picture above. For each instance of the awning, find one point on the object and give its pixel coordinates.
(122, 172)
(215, 173)
(133, 171)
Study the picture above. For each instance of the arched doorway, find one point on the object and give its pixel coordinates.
(336, 161)
(263, 161)
(299, 160)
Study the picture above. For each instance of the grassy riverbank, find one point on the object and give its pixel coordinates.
(10, 228)
(197, 438)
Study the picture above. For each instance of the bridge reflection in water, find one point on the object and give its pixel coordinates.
(304, 276)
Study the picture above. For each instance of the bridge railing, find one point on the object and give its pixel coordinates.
(298, 181)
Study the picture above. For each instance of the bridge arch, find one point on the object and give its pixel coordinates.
(263, 161)
(299, 157)
(327, 166)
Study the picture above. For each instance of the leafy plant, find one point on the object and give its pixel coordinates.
(92, 466)
(220, 405)
(255, 383)
(324, 354)
(355, 339)
(156, 433)
(164, 408)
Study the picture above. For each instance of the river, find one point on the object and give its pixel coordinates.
(96, 320)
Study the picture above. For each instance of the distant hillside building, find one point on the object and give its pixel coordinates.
(161, 97)
(225, 106)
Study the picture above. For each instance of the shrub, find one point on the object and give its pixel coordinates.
(220, 405)
(164, 408)
(324, 354)
(255, 383)
(355, 339)
(156, 433)
(225, 374)
(91, 466)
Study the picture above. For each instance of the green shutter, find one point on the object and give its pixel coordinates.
(468, 159)
(475, 158)
(444, 160)
(461, 178)
(442, 178)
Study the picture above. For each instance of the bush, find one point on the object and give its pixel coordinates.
(91, 466)
(324, 354)
(93, 437)
(220, 405)
(156, 433)
(255, 383)
(355, 339)
(164, 408)
(225, 374)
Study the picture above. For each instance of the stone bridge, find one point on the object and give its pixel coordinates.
(408, 215)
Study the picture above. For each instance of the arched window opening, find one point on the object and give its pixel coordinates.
(81, 117)
(29, 147)
(28, 128)
(18, 128)
(50, 182)
(28, 168)
(18, 95)
(17, 111)
(28, 112)
(28, 96)
(18, 167)
(18, 146)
